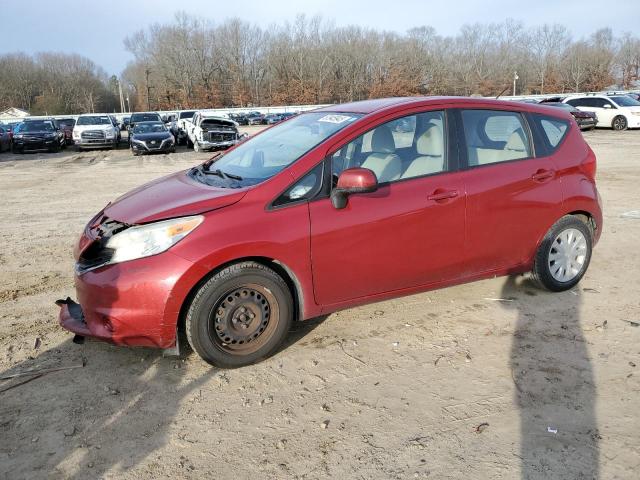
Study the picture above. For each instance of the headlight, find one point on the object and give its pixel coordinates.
(49, 135)
(146, 240)
(110, 134)
(18, 136)
(76, 134)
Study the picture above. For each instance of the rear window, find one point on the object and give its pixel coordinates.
(552, 130)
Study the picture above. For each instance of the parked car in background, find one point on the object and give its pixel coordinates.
(179, 126)
(255, 118)
(143, 117)
(151, 137)
(95, 131)
(207, 132)
(585, 120)
(613, 111)
(305, 219)
(66, 125)
(38, 135)
(287, 115)
(271, 119)
(5, 139)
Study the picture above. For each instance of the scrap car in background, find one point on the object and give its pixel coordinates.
(95, 131)
(38, 134)
(585, 120)
(66, 125)
(151, 137)
(207, 131)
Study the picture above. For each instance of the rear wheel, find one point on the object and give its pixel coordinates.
(239, 316)
(619, 123)
(564, 254)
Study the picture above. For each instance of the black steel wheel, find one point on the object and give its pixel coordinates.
(240, 315)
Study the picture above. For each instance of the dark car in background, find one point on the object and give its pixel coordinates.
(151, 137)
(255, 118)
(66, 126)
(5, 138)
(272, 119)
(143, 117)
(38, 135)
(585, 120)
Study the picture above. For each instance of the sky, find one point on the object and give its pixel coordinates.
(80, 26)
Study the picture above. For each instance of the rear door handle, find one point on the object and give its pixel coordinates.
(440, 195)
(543, 175)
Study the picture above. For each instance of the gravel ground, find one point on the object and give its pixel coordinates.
(445, 384)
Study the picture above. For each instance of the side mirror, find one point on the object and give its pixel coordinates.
(606, 105)
(353, 180)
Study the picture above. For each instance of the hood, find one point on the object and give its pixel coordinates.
(176, 195)
(81, 128)
(143, 137)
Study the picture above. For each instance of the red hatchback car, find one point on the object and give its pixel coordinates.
(337, 207)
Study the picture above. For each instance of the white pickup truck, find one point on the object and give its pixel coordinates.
(207, 132)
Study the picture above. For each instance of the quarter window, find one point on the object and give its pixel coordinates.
(553, 130)
(304, 189)
(494, 136)
(407, 147)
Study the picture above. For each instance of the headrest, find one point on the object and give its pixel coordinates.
(517, 141)
(431, 142)
(382, 140)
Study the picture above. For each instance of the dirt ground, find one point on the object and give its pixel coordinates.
(491, 380)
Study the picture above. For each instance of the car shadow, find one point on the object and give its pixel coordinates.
(554, 383)
(104, 417)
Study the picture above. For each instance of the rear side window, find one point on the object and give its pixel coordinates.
(552, 130)
(494, 136)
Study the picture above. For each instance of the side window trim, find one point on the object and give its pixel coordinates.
(462, 140)
(318, 190)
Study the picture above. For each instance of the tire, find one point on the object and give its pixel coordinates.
(133, 152)
(237, 337)
(619, 123)
(196, 146)
(55, 149)
(189, 143)
(570, 235)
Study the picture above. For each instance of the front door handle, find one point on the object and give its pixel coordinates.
(442, 195)
(543, 175)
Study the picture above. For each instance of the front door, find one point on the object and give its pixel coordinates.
(410, 232)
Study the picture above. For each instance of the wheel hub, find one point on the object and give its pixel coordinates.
(567, 255)
(241, 316)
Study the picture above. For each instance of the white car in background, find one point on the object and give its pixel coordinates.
(617, 111)
(95, 131)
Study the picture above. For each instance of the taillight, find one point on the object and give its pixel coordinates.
(589, 164)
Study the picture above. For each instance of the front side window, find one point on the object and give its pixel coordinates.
(625, 101)
(407, 147)
(494, 136)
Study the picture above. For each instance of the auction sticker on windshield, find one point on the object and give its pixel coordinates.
(336, 118)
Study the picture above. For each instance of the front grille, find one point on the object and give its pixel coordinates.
(93, 135)
(154, 144)
(221, 137)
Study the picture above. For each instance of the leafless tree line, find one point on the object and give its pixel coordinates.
(55, 83)
(196, 63)
(193, 62)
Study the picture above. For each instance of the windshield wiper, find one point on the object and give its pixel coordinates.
(222, 174)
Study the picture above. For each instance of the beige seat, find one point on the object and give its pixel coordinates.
(515, 148)
(430, 147)
(383, 161)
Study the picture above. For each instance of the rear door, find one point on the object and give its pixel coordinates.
(512, 195)
(410, 232)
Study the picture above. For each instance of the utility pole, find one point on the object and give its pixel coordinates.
(121, 97)
(515, 77)
(146, 72)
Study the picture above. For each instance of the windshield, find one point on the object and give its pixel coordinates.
(97, 120)
(186, 115)
(145, 117)
(625, 101)
(45, 126)
(149, 127)
(265, 155)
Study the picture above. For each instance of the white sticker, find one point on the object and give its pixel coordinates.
(336, 118)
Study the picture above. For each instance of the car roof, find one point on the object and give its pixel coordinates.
(389, 104)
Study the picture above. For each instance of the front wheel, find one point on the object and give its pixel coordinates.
(619, 123)
(196, 146)
(564, 254)
(239, 316)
